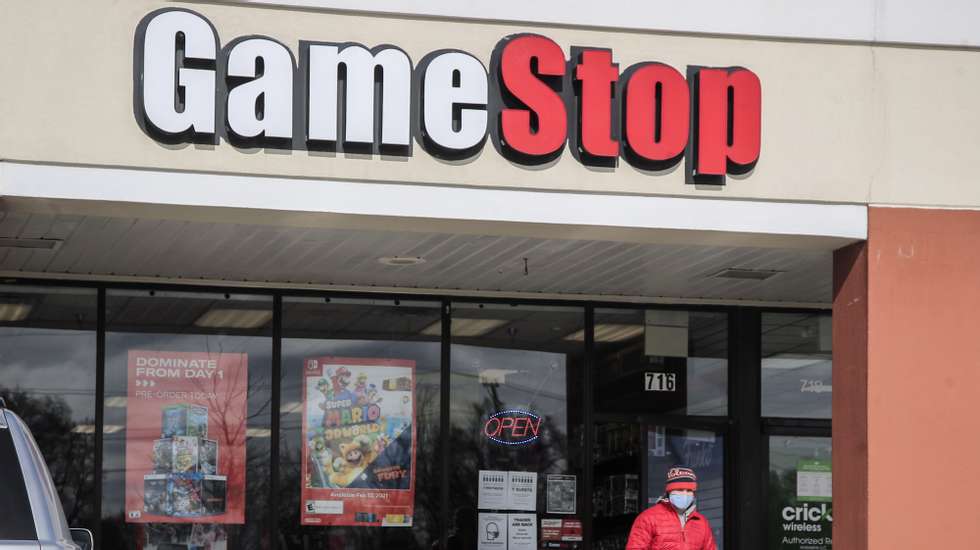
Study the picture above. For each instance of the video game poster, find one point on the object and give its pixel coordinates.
(358, 442)
(185, 440)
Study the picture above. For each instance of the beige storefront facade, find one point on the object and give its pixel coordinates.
(864, 188)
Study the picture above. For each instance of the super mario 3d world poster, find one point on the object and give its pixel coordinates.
(358, 442)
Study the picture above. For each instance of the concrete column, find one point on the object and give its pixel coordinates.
(850, 397)
(907, 382)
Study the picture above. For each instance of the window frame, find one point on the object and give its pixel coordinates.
(782, 426)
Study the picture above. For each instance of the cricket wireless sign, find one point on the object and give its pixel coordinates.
(532, 101)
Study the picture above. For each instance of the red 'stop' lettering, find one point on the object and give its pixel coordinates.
(519, 77)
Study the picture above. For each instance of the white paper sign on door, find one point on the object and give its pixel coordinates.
(492, 533)
(522, 532)
(492, 493)
(814, 481)
(523, 491)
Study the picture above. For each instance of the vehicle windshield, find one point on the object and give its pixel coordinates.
(15, 508)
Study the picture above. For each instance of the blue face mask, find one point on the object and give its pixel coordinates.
(681, 501)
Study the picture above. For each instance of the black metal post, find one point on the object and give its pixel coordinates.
(588, 426)
(276, 421)
(445, 423)
(100, 330)
(745, 519)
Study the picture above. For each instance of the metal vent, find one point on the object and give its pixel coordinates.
(401, 260)
(746, 274)
(44, 244)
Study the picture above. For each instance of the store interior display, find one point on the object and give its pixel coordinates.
(185, 536)
(184, 482)
(616, 497)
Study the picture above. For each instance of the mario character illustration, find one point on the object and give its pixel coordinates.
(354, 458)
(381, 442)
(361, 390)
(320, 452)
(340, 381)
(324, 387)
(372, 395)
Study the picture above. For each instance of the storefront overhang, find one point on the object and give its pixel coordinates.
(143, 225)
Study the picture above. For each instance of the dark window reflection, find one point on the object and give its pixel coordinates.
(187, 421)
(353, 357)
(47, 376)
(796, 365)
(661, 361)
(505, 359)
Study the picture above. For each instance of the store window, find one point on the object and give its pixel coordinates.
(360, 455)
(800, 513)
(516, 425)
(661, 362)
(187, 421)
(796, 365)
(47, 376)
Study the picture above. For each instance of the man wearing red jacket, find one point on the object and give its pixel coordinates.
(673, 523)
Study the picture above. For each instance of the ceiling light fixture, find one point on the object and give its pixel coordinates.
(234, 318)
(401, 261)
(116, 402)
(495, 376)
(466, 328)
(41, 244)
(13, 312)
(609, 332)
(90, 429)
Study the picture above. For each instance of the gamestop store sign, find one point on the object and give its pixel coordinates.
(533, 100)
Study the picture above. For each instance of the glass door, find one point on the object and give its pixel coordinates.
(661, 400)
(630, 464)
(701, 450)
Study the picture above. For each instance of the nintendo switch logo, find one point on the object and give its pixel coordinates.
(513, 427)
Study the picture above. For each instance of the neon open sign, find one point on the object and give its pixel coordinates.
(513, 427)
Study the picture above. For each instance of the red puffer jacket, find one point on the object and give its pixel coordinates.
(659, 528)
